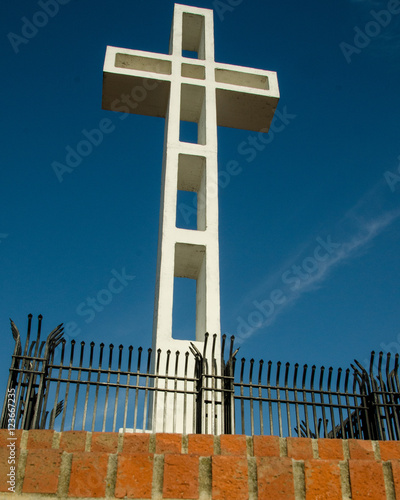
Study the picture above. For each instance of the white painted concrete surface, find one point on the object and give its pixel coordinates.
(210, 94)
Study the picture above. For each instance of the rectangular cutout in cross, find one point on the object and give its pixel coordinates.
(193, 71)
(190, 262)
(191, 211)
(140, 63)
(184, 309)
(190, 54)
(186, 210)
(189, 132)
(193, 110)
(193, 36)
(252, 80)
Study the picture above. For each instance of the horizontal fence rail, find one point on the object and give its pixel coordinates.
(77, 386)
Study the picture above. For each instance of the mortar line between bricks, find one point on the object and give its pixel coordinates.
(299, 479)
(152, 443)
(377, 451)
(185, 444)
(389, 480)
(56, 440)
(20, 475)
(283, 447)
(65, 474)
(158, 477)
(345, 479)
(315, 450)
(252, 477)
(205, 478)
(182, 445)
(346, 449)
(249, 446)
(120, 445)
(217, 445)
(88, 441)
(23, 445)
(111, 478)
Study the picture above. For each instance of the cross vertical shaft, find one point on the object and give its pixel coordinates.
(199, 90)
(188, 253)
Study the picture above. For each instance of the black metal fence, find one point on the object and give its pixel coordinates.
(67, 386)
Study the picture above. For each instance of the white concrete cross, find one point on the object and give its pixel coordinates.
(182, 88)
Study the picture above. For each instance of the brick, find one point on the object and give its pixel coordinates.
(41, 471)
(201, 444)
(88, 474)
(5, 467)
(40, 439)
(5, 434)
(330, 449)
(233, 444)
(134, 475)
(168, 443)
(229, 478)
(396, 476)
(322, 478)
(389, 450)
(73, 441)
(361, 450)
(181, 476)
(136, 443)
(275, 478)
(299, 448)
(366, 479)
(266, 446)
(106, 442)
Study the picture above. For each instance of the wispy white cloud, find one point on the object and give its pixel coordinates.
(368, 231)
(364, 234)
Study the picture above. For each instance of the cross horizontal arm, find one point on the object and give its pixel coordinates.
(136, 82)
(139, 82)
(246, 97)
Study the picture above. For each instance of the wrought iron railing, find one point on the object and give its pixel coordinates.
(70, 386)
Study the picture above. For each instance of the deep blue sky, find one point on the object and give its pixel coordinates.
(321, 177)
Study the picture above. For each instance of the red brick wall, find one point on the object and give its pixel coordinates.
(80, 464)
